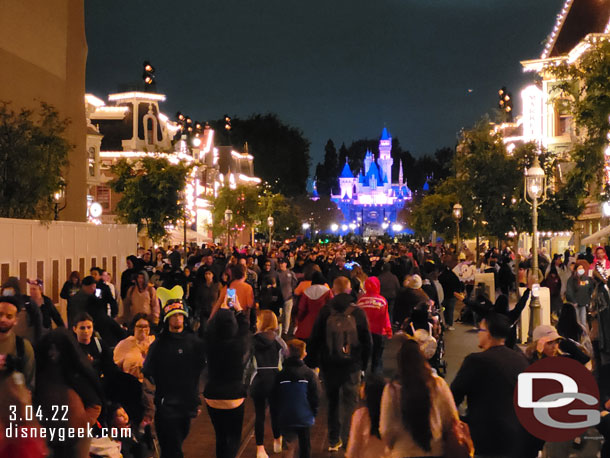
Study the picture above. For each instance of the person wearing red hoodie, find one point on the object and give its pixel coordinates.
(376, 308)
(312, 300)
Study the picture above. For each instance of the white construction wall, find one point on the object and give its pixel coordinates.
(51, 250)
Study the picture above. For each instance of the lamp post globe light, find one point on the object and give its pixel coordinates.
(535, 188)
(458, 213)
(270, 222)
(306, 226)
(228, 218)
(58, 197)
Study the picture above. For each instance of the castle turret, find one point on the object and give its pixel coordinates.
(385, 156)
(346, 181)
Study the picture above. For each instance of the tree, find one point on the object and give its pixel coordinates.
(328, 172)
(320, 213)
(151, 193)
(251, 206)
(281, 208)
(584, 89)
(243, 201)
(488, 183)
(33, 153)
(281, 152)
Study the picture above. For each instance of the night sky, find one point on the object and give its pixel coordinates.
(337, 69)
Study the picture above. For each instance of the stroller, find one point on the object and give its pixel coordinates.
(429, 319)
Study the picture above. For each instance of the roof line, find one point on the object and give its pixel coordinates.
(561, 17)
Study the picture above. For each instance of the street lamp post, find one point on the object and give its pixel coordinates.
(228, 218)
(306, 226)
(535, 188)
(270, 224)
(458, 212)
(58, 196)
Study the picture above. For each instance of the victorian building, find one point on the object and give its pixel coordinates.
(369, 201)
(545, 117)
(131, 125)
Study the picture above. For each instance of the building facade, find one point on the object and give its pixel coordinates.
(130, 126)
(369, 201)
(545, 117)
(43, 55)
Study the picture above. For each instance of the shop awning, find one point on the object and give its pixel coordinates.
(597, 236)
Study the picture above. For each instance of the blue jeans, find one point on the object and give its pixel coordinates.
(581, 315)
(449, 309)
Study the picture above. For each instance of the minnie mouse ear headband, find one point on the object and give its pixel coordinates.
(171, 301)
(37, 282)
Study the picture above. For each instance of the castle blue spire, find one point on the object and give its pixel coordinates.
(385, 135)
(346, 172)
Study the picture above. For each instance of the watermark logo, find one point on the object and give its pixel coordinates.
(557, 399)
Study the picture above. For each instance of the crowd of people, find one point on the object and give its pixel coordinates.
(214, 328)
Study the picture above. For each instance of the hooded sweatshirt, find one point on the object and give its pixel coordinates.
(313, 299)
(376, 308)
(227, 348)
(268, 351)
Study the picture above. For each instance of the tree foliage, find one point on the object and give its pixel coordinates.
(489, 184)
(251, 206)
(281, 152)
(33, 153)
(151, 193)
(328, 171)
(320, 213)
(585, 88)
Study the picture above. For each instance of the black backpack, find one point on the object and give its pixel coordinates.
(341, 334)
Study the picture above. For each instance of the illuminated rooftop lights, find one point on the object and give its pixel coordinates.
(93, 100)
(560, 19)
(334, 227)
(352, 226)
(344, 227)
(397, 227)
(136, 95)
(384, 225)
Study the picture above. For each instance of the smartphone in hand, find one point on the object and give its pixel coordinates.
(231, 297)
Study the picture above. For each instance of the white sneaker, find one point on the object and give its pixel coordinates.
(451, 328)
(277, 445)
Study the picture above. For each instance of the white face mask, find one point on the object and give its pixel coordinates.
(580, 272)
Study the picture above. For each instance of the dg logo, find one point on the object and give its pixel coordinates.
(557, 399)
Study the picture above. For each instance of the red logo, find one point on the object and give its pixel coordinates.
(557, 399)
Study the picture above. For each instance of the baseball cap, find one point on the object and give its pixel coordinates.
(546, 332)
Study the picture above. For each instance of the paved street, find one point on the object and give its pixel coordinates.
(459, 343)
(200, 442)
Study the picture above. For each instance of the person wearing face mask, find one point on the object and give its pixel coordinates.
(578, 291)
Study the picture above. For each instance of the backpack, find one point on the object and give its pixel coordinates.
(341, 334)
(20, 356)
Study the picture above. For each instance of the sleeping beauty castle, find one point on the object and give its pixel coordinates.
(369, 201)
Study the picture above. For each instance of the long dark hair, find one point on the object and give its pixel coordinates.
(415, 378)
(72, 363)
(373, 390)
(568, 326)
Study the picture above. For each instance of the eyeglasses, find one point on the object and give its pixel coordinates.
(142, 326)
